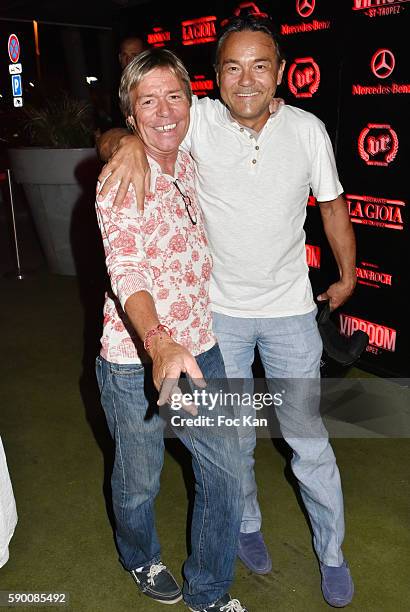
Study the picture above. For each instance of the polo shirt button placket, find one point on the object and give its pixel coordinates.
(254, 160)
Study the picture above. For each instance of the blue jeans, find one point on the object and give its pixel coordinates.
(290, 349)
(139, 456)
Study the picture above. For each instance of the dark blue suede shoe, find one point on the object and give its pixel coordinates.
(253, 553)
(337, 585)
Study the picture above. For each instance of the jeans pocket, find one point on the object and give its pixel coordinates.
(127, 369)
(99, 372)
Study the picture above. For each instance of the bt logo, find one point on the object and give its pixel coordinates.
(378, 144)
(304, 77)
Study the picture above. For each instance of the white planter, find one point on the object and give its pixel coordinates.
(56, 182)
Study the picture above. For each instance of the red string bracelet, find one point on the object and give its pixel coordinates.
(153, 332)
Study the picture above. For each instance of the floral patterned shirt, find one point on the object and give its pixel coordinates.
(161, 252)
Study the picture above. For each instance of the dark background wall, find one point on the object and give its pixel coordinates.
(347, 62)
(329, 48)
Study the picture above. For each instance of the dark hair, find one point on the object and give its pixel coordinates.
(141, 39)
(250, 23)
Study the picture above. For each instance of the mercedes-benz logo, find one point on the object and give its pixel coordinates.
(383, 63)
(305, 7)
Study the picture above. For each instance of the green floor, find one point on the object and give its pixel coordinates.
(58, 453)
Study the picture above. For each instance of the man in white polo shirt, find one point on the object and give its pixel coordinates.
(254, 173)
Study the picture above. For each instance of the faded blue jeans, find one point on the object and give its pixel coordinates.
(139, 455)
(290, 349)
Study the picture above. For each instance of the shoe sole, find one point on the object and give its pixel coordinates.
(260, 572)
(334, 604)
(170, 601)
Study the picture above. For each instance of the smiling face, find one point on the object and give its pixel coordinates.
(160, 113)
(248, 74)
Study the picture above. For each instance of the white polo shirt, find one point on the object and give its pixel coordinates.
(253, 193)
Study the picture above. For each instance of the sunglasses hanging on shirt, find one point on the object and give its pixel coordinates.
(188, 203)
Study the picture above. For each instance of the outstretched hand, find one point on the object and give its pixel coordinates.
(169, 361)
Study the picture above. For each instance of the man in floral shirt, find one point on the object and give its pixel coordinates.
(158, 311)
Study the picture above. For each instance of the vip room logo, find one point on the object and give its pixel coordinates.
(370, 274)
(201, 86)
(379, 8)
(380, 336)
(158, 37)
(304, 77)
(376, 212)
(305, 7)
(312, 256)
(246, 8)
(378, 144)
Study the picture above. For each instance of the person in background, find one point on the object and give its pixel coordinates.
(158, 307)
(8, 513)
(129, 48)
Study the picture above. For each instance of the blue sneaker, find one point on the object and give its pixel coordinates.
(253, 553)
(337, 585)
(157, 582)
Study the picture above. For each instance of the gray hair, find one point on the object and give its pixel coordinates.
(141, 66)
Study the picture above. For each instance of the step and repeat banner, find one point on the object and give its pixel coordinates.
(347, 63)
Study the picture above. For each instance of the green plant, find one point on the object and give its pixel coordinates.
(61, 122)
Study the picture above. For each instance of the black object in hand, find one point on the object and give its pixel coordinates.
(342, 349)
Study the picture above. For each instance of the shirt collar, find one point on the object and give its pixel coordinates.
(252, 132)
(156, 171)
